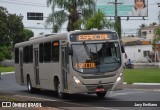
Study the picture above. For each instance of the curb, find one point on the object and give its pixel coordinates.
(3, 73)
(149, 84)
(145, 84)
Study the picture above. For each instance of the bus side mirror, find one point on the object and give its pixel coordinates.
(122, 49)
(122, 46)
(70, 51)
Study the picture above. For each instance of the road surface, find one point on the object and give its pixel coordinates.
(127, 99)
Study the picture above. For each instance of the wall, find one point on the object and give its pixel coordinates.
(135, 53)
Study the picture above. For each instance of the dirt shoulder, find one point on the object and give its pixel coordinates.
(16, 98)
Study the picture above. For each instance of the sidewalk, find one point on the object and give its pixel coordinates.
(142, 86)
(147, 65)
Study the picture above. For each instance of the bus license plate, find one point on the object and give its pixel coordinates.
(99, 89)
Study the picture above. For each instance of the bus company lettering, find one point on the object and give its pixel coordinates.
(85, 65)
(93, 37)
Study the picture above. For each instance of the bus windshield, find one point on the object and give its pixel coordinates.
(92, 58)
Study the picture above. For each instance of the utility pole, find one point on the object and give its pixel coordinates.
(159, 17)
(117, 19)
(159, 13)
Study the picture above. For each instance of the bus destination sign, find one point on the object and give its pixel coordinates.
(85, 65)
(92, 37)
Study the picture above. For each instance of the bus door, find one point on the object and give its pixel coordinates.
(36, 67)
(65, 60)
(21, 67)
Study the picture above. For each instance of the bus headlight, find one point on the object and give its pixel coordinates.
(118, 79)
(77, 80)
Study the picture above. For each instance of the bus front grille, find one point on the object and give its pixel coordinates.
(92, 88)
(98, 76)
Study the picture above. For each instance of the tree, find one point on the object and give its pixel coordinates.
(22, 36)
(4, 27)
(98, 21)
(71, 11)
(156, 40)
(15, 26)
(11, 31)
(27, 34)
(5, 53)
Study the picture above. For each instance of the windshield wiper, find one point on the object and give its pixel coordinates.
(87, 49)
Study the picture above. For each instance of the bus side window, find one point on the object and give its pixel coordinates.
(26, 54)
(47, 52)
(55, 51)
(31, 53)
(41, 52)
(16, 55)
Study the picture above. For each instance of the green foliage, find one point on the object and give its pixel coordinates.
(22, 36)
(72, 11)
(27, 34)
(157, 36)
(15, 26)
(11, 32)
(99, 21)
(4, 27)
(5, 53)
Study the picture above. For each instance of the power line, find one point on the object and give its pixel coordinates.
(26, 2)
(22, 4)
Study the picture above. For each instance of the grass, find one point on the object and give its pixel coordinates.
(6, 69)
(7, 98)
(147, 75)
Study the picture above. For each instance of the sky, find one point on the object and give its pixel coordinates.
(23, 6)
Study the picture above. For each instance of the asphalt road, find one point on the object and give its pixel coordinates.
(125, 99)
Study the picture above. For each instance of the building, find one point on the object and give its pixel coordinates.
(138, 50)
(141, 49)
(148, 32)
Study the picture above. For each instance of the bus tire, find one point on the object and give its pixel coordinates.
(29, 85)
(59, 92)
(101, 94)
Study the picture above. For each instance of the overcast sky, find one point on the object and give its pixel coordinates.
(24, 6)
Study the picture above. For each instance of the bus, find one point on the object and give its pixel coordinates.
(87, 61)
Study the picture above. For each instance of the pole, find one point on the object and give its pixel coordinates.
(117, 21)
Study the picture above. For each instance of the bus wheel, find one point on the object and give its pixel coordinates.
(29, 85)
(101, 94)
(59, 93)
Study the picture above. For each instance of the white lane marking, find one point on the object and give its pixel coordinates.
(106, 108)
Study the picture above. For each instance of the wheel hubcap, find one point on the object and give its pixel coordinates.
(59, 91)
(29, 86)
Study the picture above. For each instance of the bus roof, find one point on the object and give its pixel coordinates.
(57, 36)
(44, 38)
